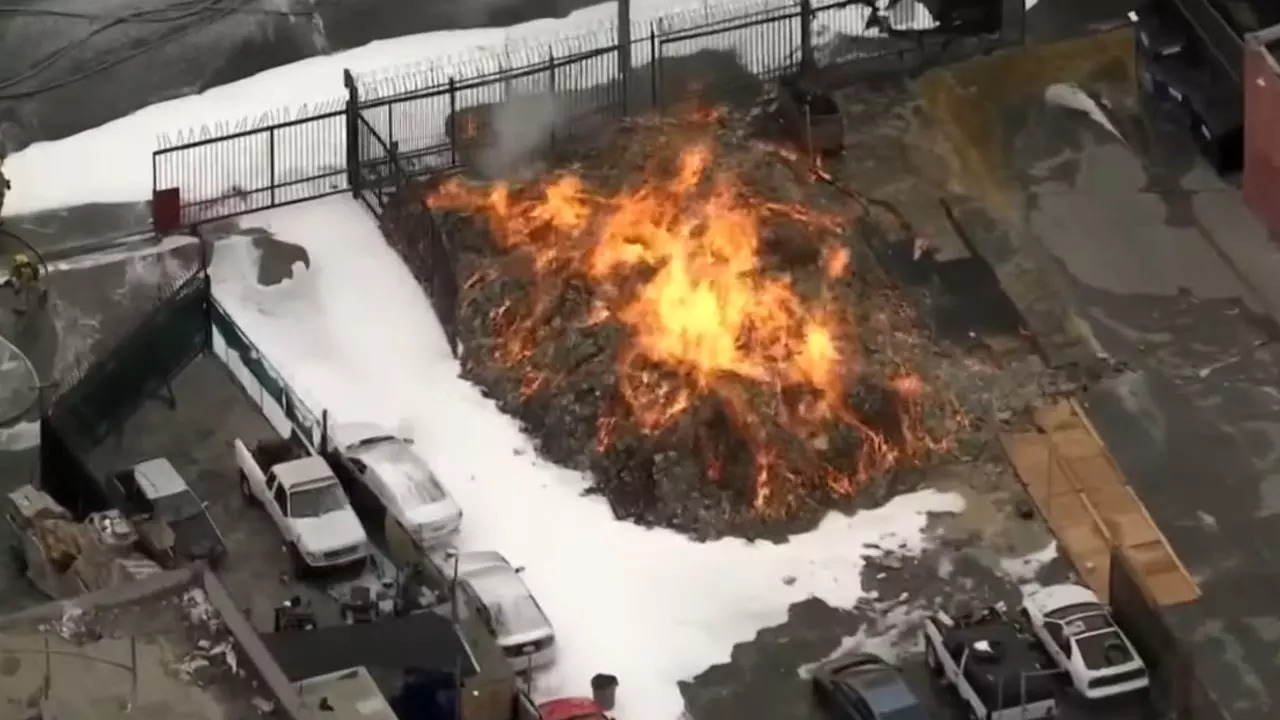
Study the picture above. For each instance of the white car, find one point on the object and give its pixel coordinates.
(1080, 635)
(487, 582)
(388, 476)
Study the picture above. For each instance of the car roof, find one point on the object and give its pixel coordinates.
(158, 478)
(515, 612)
(303, 470)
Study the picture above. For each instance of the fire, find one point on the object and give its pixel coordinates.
(678, 261)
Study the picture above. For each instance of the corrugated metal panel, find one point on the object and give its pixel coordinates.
(1262, 133)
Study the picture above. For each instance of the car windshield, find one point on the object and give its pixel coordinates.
(405, 473)
(889, 697)
(517, 615)
(316, 500)
(178, 506)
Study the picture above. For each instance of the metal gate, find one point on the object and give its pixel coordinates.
(98, 400)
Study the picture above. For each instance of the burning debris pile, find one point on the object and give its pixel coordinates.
(688, 316)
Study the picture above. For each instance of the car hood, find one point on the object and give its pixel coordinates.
(331, 531)
(1052, 597)
(196, 538)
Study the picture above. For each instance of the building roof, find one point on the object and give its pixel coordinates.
(421, 640)
(165, 646)
(347, 693)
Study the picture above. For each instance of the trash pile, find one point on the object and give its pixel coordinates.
(687, 312)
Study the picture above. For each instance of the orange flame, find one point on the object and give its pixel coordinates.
(677, 262)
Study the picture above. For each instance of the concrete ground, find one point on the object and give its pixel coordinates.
(155, 659)
(1167, 275)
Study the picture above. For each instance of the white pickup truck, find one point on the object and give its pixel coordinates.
(307, 503)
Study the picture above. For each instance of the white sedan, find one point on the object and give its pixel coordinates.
(388, 479)
(1080, 635)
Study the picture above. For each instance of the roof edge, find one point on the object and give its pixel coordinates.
(269, 671)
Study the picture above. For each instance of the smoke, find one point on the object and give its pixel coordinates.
(480, 13)
(521, 130)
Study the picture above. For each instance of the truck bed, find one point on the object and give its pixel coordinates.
(270, 453)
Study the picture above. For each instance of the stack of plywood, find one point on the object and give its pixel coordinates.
(1086, 501)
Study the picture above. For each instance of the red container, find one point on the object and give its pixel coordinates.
(1262, 126)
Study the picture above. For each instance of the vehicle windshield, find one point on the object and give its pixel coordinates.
(405, 473)
(889, 697)
(316, 500)
(179, 506)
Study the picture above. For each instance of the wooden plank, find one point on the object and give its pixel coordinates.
(1084, 498)
(1190, 589)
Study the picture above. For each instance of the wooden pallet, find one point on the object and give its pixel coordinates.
(1086, 501)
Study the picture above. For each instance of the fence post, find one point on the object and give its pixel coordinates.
(624, 52)
(453, 123)
(806, 36)
(353, 133)
(551, 85)
(654, 61)
(206, 252)
(271, 149)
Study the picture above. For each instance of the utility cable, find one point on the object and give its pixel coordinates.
(57, 54)
(200, 16)
(130, 19)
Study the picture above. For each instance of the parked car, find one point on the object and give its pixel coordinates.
(306, 502)
(999, 672)
(1078, 632)
(571, 708)
(154, 489)
(861, 686)
(487, 582)
(387, 478)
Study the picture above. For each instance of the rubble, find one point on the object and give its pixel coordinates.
(730, 435)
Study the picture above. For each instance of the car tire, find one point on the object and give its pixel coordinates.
(931, 658)
(245, 490)
(296, 562)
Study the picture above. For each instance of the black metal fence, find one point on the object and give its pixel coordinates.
(541, 94)
(251, 170)
(389, 190)
(94, 402)
(1174, 681)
